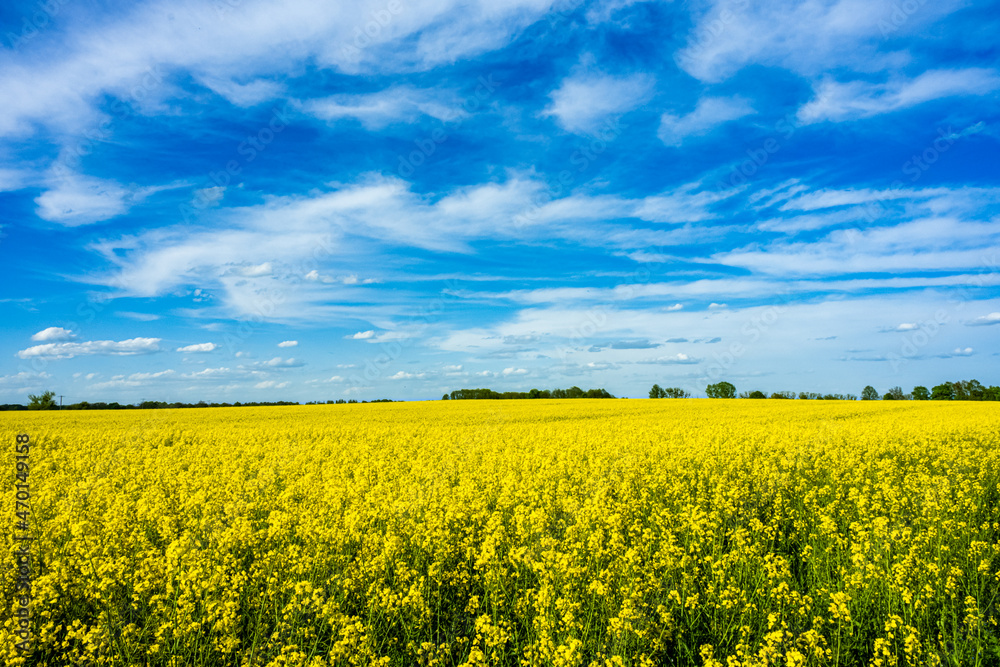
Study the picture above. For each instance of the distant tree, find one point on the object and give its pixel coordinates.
(44, 401)
(757, 394)
(720, 390)
(869, 394)
(657, 392)
(992, 394)
(445, 397)
(895, 394)
(783, 394)
(943, 392)
(676, 392)
(920, 393)
(597, 393)
(969, 390)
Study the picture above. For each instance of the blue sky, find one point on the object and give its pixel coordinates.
(247, 200)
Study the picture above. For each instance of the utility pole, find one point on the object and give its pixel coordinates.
(60, 401)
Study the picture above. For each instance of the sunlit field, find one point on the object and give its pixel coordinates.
(585, 532)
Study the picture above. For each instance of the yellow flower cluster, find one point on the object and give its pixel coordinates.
(543, 532)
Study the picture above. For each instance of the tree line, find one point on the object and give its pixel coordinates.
(46, 401)
(963, 390)
(489, 394)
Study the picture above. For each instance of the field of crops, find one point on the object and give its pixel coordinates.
(512, 533)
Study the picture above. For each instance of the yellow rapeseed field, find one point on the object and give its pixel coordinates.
(533, 532)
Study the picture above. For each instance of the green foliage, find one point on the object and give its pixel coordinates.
(895, 394)
(970, 390)
(720, 390)
(943, 392)
(670, 392)
(44, 401)
(489, 394)
(869, 394)
(921, 393)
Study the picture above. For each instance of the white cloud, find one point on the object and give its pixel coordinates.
(716, 306)
(142, 317)
(270, 384)
(340, 225)
(907, 326)
(211, 374)
(805, 36)
(288, 343)
(676, 306)
(208, 197)
(963, 351)
(928, 243)
(686, 203)
(134, 380)
(514, 371)
(362, 335)
(316, 277)
(243, 94)
(354, 280)
(743, 288)
(847, 101)
(403, 375)
(238, 50)
(76, 199)
(21, 381)
(454, 368)
(278, 362)
(12, 179)
(583, 102)
(985, 320)
(198, 347)
(709, 113)
(255, 270)
(129, 347)
(393, 105)
(53, 334)
(678, 359)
